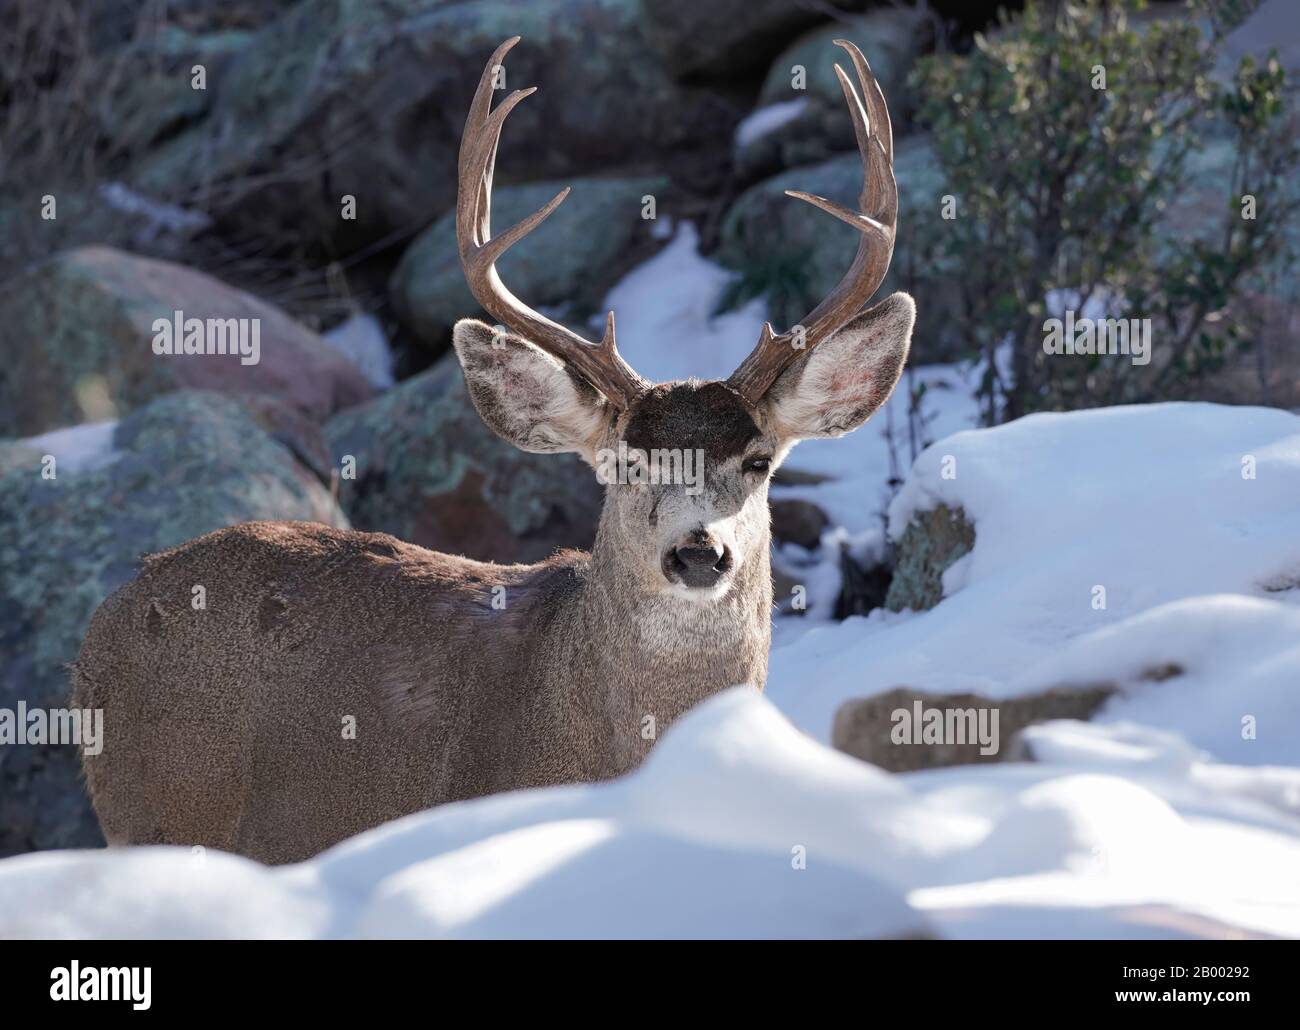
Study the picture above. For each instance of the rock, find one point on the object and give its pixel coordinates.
(930, 544)
(794, 255)
(110, 23)
(429, 471)
(303, 436)
(570, 262)
(797, 521)
(77, 331)
(723, 38)
(863, 727)
(863, 585)
(890, 39)
(340, 98)
(159, 98)
(187, 464)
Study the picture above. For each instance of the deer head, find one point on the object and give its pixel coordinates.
(546, 389)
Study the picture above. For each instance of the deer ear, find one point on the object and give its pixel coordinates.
(841, 383)
(527, 397)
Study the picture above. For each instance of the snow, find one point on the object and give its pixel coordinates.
(1174, 813)
(763, 120)
(361, 340)
(665, 311)
(160, 217)
(1147, 502)
(144, 893)
(741, 826)
(82, 448)
(566, 862)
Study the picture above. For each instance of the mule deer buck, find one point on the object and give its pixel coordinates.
(225, 727)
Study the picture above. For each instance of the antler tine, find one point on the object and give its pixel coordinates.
(875, 220)
(599, 363)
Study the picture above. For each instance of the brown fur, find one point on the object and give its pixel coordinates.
(226, 728)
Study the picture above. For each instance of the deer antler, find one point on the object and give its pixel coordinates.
(876, 218)
(599, 363)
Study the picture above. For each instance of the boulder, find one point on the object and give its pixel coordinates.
(429, 471)
(149, 83)
(890, 39)
(187, 464)
(339, 98)
(110, 23)
(797, 521)
(723, 38)
(865, 727)
(78, 334)
(930, 544)
(569, 263)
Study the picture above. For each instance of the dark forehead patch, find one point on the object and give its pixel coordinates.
(691, 415)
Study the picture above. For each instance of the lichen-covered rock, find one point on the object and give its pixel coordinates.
(187, 464)
(865, 727)
(930, 544)
(344, 98)
(723, 38)
(111, 23)
(890, 39)
(158, 97)
(569, 263)
(429, 471)
(77, 335)
(794, 255)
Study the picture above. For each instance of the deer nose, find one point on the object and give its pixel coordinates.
(698, 564)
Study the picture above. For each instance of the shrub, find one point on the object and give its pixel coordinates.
(1069, 139)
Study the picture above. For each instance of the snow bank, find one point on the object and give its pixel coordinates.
(740, 826)
(778, 849)
(1150, 505)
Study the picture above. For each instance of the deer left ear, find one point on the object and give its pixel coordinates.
(848, 376)
(525, 395)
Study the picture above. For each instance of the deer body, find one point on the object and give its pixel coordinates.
(336, 680)
(240, 719)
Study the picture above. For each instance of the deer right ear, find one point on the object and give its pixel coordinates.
(527, 397)
(840, 385)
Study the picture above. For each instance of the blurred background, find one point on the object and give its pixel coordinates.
(294, 161)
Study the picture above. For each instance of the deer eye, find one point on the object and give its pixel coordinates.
(757, 464)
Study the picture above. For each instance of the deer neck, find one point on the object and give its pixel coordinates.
(652, 654)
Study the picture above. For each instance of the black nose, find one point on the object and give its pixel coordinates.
(698, 566)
